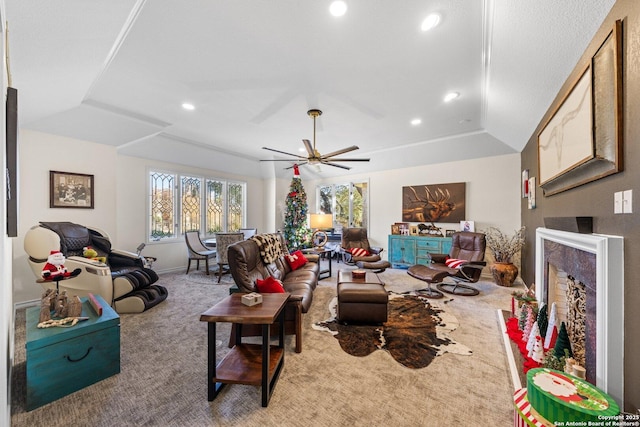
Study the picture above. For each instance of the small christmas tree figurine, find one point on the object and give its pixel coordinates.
(552, 329)
(562, 343)
(543, 320)
(529, 325)
(296, 232)
(535, 332)
(537, 353)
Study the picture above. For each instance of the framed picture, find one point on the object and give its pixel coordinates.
(403, 227)
(413, 230)
(395, 229)
(434, 203)
(449, 233)
(70, 190)
(525, 183)
(467, 226)
(582, 139)
(531, 202)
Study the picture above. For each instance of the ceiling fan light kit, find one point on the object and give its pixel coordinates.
(314, 157)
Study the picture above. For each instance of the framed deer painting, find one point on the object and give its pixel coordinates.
(434, 203)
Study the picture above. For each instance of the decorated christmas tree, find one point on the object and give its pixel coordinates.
(543, 320)
(563, 345)
(296, 231)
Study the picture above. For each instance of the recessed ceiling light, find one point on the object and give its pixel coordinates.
(416, 122)
(188, 106)
(430, 22)
(451, 96)
(338, 8)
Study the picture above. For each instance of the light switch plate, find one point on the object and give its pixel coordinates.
(617, 202)
(627, 201)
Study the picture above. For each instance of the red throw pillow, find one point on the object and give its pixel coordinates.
(359, 252)
(270, 285)
(296, 260)
(455, 263)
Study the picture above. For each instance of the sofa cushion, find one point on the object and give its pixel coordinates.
(455, 263)
(269, 285)
(296, 260)
(359, 252)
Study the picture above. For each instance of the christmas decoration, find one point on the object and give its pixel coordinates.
(529, 324)
(562, 343)
(552, 328)
(522, 318)
(296, 232)
(543, 320)
(532, 338)
(537, 353)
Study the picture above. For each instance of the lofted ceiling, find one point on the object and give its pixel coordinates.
(116, 72)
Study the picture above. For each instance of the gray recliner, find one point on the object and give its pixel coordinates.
(123, 280)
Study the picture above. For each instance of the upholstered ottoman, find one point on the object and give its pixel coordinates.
(361, 300)
(430, 276)
(378, 266)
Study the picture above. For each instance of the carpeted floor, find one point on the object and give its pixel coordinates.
(163, 377)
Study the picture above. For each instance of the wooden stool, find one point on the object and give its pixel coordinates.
(429, 275)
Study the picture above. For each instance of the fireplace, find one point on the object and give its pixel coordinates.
(589, 267)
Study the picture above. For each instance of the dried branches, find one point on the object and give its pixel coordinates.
(504, 248)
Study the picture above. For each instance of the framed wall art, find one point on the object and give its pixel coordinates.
(434, 203)
(70, 190)
(582, 139)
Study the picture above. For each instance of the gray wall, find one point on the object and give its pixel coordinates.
(596, 199)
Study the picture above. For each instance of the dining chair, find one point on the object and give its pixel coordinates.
(196, 250)
(223, 240)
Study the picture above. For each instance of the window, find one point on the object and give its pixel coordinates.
(349, 203)
(186, 203)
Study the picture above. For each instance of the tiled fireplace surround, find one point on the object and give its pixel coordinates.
(597, 261)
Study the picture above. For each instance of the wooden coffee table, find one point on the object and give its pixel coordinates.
(253, 364)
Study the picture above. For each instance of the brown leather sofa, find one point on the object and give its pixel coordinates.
(246, 265)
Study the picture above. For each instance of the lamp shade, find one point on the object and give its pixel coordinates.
(320, 221)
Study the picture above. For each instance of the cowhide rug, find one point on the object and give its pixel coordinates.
(415, 333)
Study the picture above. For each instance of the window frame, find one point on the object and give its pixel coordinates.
(178, 203)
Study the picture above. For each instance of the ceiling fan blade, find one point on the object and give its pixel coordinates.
(328, 163)
(280, 160)
(309, 147)
(336, 153)
(346, 160)
(284, 152)
(299, 164)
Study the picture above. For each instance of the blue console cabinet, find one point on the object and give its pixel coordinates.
(405, 251)
(62, 360)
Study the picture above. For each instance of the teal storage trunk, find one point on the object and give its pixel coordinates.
(62, 360)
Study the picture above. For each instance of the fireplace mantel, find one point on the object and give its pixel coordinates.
(609, 284)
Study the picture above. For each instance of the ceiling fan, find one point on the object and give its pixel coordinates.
(314, 157)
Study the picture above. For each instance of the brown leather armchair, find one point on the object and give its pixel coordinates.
(357, 238)
(466, 246)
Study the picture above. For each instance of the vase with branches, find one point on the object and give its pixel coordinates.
(504, 249)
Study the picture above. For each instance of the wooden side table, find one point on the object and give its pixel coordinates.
(253, 364)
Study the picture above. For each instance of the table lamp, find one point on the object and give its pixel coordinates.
(318, 222)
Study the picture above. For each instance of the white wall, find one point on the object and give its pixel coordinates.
(120, 199)
(492, 193)
(6, 300)
(40, 153)
(132, 209)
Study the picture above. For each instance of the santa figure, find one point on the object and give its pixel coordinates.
(54, 268)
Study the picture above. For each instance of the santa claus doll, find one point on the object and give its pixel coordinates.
(54, 269)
